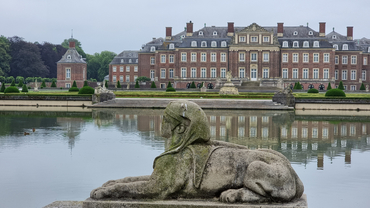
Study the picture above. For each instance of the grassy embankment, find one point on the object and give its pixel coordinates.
(322, 96)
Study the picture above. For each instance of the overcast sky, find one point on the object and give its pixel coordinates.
(117, 25)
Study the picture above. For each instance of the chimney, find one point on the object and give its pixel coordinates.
(322, 29)
(168, 33)
(72, 44)
(280, 29)
(349, 33)
(189, 29)
(230, 29)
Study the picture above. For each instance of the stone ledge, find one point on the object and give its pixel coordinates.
(65, 204)
(90, 203)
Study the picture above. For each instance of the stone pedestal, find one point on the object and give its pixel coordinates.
(229, 89)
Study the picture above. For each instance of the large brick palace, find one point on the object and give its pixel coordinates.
(266, 55)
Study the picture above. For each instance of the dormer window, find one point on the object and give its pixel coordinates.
(203, 44)
(306, 44)
(213, 44)
(368, 49)
(335, 46)
(69, 57)
(152, 49)
(129, 61)
(345, 47)
(334, 37)
(295, 44)
(223, 44)
(285, 44)
(122, 61)
(136, 61)
(310, 33)
(214, 33)
(171, 46)
(295, 33)
(200, 33)
(316, 44)
(193, 43)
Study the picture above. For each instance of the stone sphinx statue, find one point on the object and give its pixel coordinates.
(194, 167)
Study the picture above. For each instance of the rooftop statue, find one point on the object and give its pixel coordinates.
(194, 167)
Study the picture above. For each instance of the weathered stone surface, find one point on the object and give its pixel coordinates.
(194, 167)
(284, 97)
(65, 204)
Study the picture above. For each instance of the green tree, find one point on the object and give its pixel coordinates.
(193, 85)
(74, 84)
(9, 79)
(98, 64)
(153, 85)
(329, 87)
(143, 79)
(2, 79)
(341, 87)
(2, 87)
(78, 47)
(362, 87)
(30, 79)
(53, 84)
(24, 88)
(5, 56)
(169, 85)
(13, 83)
(299, 86)
(20, 84)
(43, 83)
(137, 84)
(86, 83)
(106, 84)
(118, 84)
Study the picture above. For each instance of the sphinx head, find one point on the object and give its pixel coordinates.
(184, 123)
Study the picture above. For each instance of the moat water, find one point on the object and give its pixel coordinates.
(59, 156)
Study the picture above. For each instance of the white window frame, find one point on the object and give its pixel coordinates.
(336, 59)
(316, 44)
(127, 78)
(266, 56)
(306, 44)
(152, 60)
(265, 73)
(326, 57)
(68, 73)
(203, 72)
(171, 46)
(214, 33)
(114, 68)
(203, 44)
(353, 74)
(183, 57)
(152, 49)
(241, 38)
(326, 74)
(223, 44)
(135, 68)
(193, 43)
(315, 73)
(254, 39)
(344, 59)
(223, 57)
(183, 72)
(127, 68)
(266, 39)
(295, 74)
(336, 47)
(344, 74)
(241, 56)
(295, 44)
(213, 72)
(305, 74)
(163, 73)
(152, 74)
(68, 85)
(223, 73)
(203, 57)
(213, 57)
(170, 73)
(171, 58)
(193, 57)
(353, 59)
(295, 57)
(306, 58)
(285, 73)
(114, 78)
(353, 88)
(193, 72)
(363, 75)
(336, 74)
(345, 47)
(121, 78)
(316, 58)
(365, 61)
(213, 44)
(285, 44)
(121, 69)
(163, 58)
(241, 73)
(254, 56)
(284, 58)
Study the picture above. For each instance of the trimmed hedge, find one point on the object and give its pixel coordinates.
(24, 88)
(298, 86)
(119, 84)
(312, 90)
(12, 84)
(85, 83)
(73, 89)
(11, 89)
(153, 85)
(335, 93)
(86, 90)
(362, 87)
(329, 87)
(137, 84)
(20, 84)
(53, 84)
(2, 87)
(341, 87)
(193, 85)
(74, 84)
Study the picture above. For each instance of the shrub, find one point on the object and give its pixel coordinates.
(18, 79)
(106, 84)
(10, 79)
(169, 85)
(299, 86)
(153, 85)
(118, 84)
(43, 84)
(137, 84)
(24, 88)
(335, 92)
(85, 83)
(11, 89)
(61, 88)
(312, 90)
(201, 85)
(20, 84)
(30, 79)
(329, 87)
(86, 90)
(53, 84)
(193, 85)
(2, 87)
(362, 87)
(143, 79)
(74, 84)
(73, 89)
(2, 79)
(170, 89)
(341, 87)
(29, 87)
(12, 84)
(295, 86)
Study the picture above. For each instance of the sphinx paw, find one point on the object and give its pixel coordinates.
(229, 196)
(98, 193)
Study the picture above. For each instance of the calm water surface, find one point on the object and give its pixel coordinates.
(55, 156)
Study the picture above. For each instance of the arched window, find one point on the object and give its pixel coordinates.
(316, 44)
(335, 46)
(285, 44)
(193, 43)
(295, 33)
(310, 33)
(295, 44)
(203, 44)
(152, 49)
(306, 44)
(214, 33)
(171, 46)
(213, 44)
(223, 44)
(200, 33)
(345, 47)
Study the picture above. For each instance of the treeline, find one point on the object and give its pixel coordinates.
(19, 58)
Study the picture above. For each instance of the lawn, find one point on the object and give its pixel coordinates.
(322, 96)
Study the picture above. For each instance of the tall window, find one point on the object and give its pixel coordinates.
(135, 68)
(193, 57)
(223, 44)
(203, 72)
(127, 78)
(193, 43)
(171, 57)
(336, 60)
(203, 44)
(305, 74)
(223, 73)
(241, 56)
(353, 74)
(152, 74)
(363, 77)
(265, 73)
(223, 57)
(152, 60)
(170, 75)
(295, 44)
(365, 61)
(121, 78)
(241, 73)
(203, 57)
(306, 44)
(353, 59)
(315, 57)
(213, 73)
(295, 73)
(336, 73)
(114, 78)
(326, 57)
(213, 57)
(326, 74)
(344, 59)
(266, 39)
(295, 57)
(163, 73)
(68, 73)
(163, 58)
(183, 72)
(183, 57)
(265, 57)
(121, 68)
(253, 56)
(305, 58)
(193, 72)
(114, 69)
(285, 73)
(285, 44)
(315, 73)
(213, 44)
(344, 74)
(254, 39)
(127, 68)
(285, 57)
